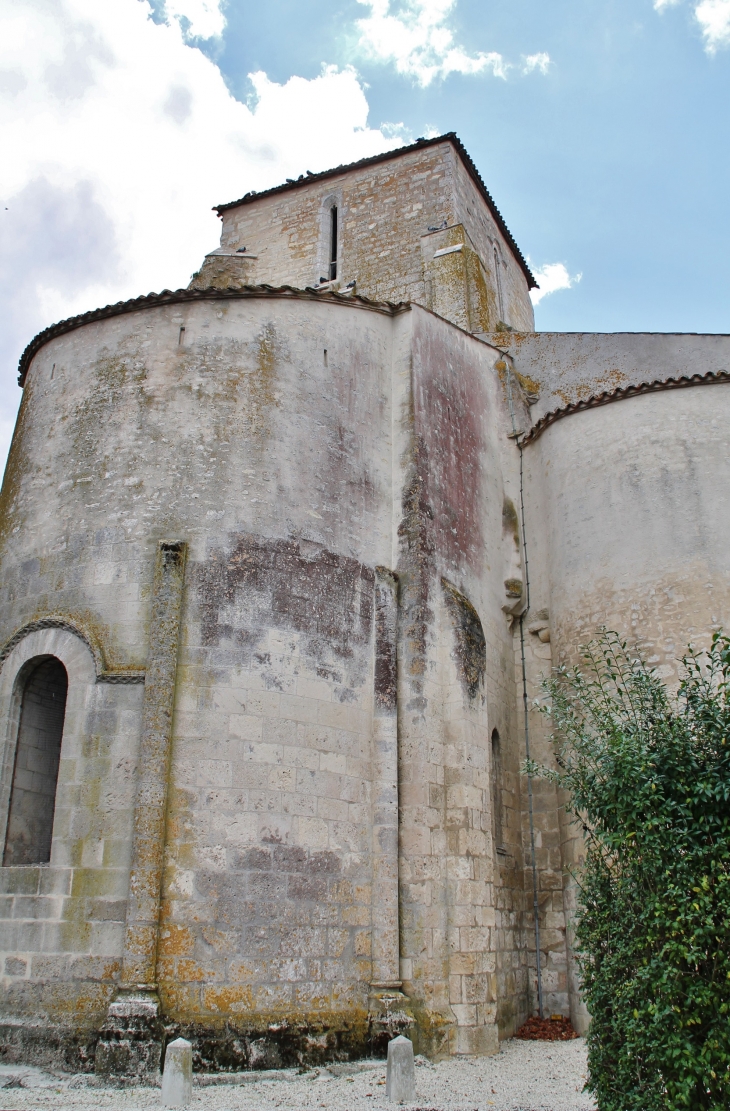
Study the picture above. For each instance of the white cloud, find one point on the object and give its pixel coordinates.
(122, 138)
(551, 277)
(540, 62)
(713, 17)
(418, 42)
(204, 18)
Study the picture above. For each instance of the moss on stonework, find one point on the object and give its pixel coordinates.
(510, 520)
(530, 386)
(17, 465)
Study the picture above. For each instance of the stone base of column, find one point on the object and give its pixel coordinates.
(389, 1014)
(130, 1041)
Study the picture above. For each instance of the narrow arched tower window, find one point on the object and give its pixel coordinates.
(333, 243)
(498, 279)
(35, 773)
(497, 790)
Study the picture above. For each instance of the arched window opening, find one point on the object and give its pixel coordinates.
(498, 278)
(333, 243)
(497, 791)
(35, 774)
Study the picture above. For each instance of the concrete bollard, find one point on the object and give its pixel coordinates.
(400, 1084)
(177, 1078)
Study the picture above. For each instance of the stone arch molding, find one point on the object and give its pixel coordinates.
(103, 674)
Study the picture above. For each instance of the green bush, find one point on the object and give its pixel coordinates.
(648, 775)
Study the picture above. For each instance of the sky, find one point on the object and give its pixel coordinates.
(601, 128)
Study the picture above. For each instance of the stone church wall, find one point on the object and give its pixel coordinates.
(314, 456)
(295, 551)
(226, 425)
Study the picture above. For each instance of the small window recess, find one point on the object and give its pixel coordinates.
(333, 244)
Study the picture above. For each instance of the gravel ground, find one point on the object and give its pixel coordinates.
(524, 1076)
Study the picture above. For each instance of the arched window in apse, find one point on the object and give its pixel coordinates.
(35, 772)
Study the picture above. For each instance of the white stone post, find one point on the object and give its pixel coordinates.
(177, 1078)
(400, 1086)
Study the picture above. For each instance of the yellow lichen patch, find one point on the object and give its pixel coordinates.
(188, 970)
(241, 971)
(180, 1002)
(530, 386)
(228, 999)
(585, 389)
(483, 309)
(176, 941)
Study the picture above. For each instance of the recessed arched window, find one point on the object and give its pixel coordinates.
(333, 243)
(35, 772)
(497, 790)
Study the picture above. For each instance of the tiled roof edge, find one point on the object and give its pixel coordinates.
(420, 144)
(711, 378)
(184, 296)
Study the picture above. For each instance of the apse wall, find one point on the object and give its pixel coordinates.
(639, 536)
(627, 504)
(257, 430)
(335, 473)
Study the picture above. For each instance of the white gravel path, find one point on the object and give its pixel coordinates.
(524, 1076)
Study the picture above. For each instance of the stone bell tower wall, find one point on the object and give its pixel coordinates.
(466, 271)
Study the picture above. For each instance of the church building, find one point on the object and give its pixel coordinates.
(284, 559)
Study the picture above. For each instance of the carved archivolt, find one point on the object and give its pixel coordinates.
(104, 674)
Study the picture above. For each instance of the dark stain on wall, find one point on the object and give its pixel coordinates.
(386, 672)
(415, 534)
(510, 521)
(450, 405)
(260, 583)
(471, 646)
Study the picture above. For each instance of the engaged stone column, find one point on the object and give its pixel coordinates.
(148, 846)
(130, 1043)
(386, 953)
(388, 1013)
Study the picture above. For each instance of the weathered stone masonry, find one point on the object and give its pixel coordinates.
(272, 531)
